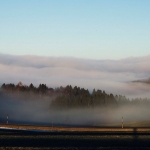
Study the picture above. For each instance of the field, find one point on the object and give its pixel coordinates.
(45, 137)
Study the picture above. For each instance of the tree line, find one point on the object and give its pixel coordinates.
(68, 97)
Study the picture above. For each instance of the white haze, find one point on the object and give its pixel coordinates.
(113, 76)
(39, 112)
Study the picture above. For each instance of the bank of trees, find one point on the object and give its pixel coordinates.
(68, 97)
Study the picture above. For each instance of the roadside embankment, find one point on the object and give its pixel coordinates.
(76, 129)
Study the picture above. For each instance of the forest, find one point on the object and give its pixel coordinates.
(68, 97)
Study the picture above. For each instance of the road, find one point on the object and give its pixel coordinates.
(79, 139)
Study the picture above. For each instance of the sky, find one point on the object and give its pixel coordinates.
(101, 44)
(89, 29)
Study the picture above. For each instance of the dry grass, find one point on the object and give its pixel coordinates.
(130, 127)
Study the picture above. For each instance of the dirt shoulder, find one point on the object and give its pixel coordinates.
(74, 129)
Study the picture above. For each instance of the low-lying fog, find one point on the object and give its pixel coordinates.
(113, 76)
(39, 112)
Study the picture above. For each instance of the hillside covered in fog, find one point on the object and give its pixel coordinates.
(67, 97)
(68, 106)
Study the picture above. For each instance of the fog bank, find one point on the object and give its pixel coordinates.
(113, 76)
(39, 112)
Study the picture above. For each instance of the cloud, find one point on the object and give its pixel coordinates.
(113, 76)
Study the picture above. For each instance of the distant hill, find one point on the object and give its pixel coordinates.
(147, 81)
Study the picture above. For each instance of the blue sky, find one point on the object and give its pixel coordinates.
(94, 29)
